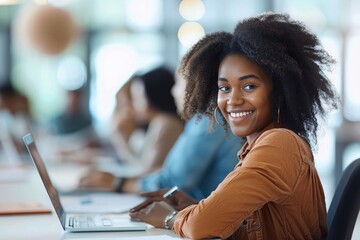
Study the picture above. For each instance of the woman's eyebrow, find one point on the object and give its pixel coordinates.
(248, 76)
(220, 79)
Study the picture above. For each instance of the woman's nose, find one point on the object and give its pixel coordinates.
(235, 99)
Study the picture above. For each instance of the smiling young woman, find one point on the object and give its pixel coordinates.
(267, 80)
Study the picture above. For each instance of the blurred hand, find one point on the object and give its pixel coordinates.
(123, 120)
(124, 124)
(98, 179)
(82, 156)
(178, 200)
(154, 214)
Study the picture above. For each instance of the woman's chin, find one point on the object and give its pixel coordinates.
(238, 133)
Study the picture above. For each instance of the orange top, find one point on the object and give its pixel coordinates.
(274, 192)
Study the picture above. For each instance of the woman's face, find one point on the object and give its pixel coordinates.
(123, 116)
(244, 96)
(139, 100)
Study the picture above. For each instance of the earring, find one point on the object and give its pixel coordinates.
(278, 115)
(216, 119)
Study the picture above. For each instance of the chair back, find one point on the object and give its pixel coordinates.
(344, 207)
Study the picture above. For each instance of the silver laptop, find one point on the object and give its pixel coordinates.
(79, 222)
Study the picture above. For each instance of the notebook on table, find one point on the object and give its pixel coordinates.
(79, 222)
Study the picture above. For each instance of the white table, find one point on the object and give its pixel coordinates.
(47, 226)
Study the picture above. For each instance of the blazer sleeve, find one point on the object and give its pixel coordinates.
(268, 173)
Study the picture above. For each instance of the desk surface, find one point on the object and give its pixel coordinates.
(47, 226)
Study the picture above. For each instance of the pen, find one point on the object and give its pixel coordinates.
(85, 200)
(170, 192)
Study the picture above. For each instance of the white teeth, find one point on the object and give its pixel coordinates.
(239, 114)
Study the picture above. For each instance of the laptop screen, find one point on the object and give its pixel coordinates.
(35, 156)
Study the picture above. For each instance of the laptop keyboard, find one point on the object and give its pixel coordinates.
(88, 222)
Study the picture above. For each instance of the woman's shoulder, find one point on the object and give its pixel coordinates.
(279, 132)
(283, 137)
(282, 144)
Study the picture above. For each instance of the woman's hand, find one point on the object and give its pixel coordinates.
(178, 200)
(154, 214)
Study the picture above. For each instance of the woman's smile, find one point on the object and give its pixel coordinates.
(237, 115)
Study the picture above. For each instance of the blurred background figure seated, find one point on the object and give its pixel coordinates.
(15, 121)
(74, 118)
(144, 103)
(72, 130)
(151, 107)
(144, 126)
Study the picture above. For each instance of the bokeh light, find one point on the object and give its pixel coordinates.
(192, 10)
(189, 33)
(71, 73)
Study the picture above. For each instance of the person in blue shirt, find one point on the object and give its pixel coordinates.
(200, 159)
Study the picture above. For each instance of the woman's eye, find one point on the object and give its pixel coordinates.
(249, 87)
(223, 88)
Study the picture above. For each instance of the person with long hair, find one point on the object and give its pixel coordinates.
(146, 100)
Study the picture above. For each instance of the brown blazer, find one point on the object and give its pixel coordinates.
(274, 192)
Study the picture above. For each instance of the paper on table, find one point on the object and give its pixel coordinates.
(101, 202)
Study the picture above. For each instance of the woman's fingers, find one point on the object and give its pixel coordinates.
(139, 216)
(153, 214)
(144, 214)
(141, 205)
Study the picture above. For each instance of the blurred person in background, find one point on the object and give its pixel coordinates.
(71, 133)
(74, 118)
(145, 100)
(15, 120)
(127, 132)
(197, 163)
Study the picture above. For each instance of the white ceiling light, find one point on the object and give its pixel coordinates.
(192, 10)
(59, 3)
(8, 2)
(40, 2)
